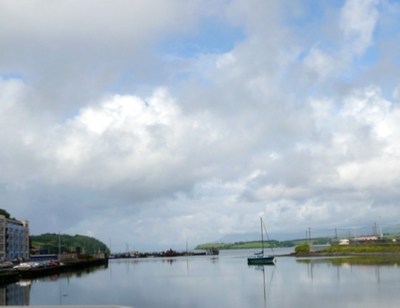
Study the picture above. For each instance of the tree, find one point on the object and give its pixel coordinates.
(4, 213)
(50, 242)
(302, 249)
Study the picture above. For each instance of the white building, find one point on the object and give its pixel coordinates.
(14, 238)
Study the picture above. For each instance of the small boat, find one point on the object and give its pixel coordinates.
(212, 251)
(260, 258)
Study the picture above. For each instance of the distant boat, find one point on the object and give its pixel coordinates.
(260, 258)
(212, 251)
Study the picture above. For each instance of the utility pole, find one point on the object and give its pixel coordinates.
(335, 233)
(309, 233)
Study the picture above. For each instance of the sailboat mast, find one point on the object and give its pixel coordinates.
(262, 237)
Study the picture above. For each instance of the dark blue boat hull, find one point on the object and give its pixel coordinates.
(261, 260)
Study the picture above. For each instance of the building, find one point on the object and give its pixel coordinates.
(342, 241)
(14, 238)
(367, 238)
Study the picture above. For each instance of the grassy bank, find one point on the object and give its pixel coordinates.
(390, 248)
(356, 260)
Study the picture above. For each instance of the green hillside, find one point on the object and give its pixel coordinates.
(49, 243)
(258, 244)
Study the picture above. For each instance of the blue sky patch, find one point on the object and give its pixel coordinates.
(212, 36)
(12, 76)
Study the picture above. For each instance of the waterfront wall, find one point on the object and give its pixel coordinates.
(66, 257)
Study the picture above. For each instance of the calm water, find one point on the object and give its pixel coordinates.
(222, 281)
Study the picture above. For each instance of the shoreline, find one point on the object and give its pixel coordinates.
(345, 254)
(14, 275)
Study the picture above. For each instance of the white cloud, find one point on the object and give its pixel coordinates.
(99, 128)
(358, 20)
(126, 138)
(225, 59)
(9, 93)
(320, 63)
(97, 20)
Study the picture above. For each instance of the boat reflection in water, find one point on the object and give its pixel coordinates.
(263, 269)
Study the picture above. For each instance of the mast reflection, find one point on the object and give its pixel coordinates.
(263, 269)
(349, 263)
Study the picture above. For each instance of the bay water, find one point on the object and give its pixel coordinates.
(218, 281)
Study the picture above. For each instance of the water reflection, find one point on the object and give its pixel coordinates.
(347, 263)
(18, 294)
(219, 281)
(266, 286)
(128, 262)
(171, 260)
(214, 259)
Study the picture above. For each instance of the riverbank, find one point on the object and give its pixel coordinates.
(364, 251)
(14, 275)
(7, 277)
(345, 254)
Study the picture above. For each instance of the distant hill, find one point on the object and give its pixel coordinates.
(254, 236)
(258, 244)
(236, 237)
(49, 242)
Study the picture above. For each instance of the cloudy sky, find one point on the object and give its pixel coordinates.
(153, 123)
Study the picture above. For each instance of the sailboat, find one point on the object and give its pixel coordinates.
(260, 258)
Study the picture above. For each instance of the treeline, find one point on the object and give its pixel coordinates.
(258, 244)
(53, 243)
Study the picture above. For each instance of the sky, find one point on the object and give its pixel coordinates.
(152, 124)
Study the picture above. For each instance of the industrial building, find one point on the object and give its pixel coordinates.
(14, 238)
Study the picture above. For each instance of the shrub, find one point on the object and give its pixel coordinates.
(302, 248)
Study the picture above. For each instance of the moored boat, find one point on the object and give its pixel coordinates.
(257, 260)
(260, 258)
(212, 251)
